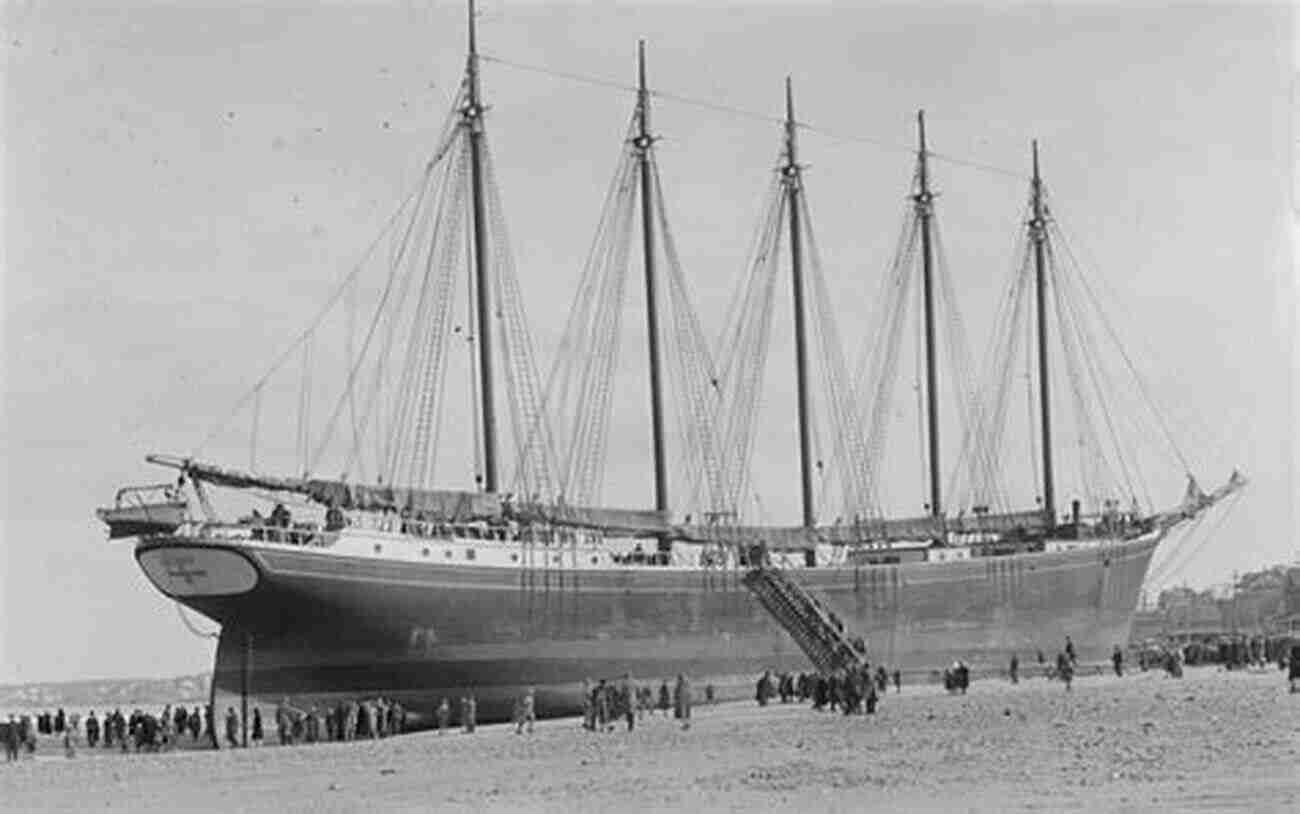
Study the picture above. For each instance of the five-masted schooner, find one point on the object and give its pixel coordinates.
(397, 588)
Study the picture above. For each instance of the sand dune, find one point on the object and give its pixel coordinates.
(1213, 741)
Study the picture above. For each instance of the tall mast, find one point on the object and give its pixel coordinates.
(1038, 233)
(792, 182)
(924, 201)
(644, 141)
(471, 117)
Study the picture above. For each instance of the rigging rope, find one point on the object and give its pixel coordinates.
(1190, 555)
(750, 114)
(321, 313)
(202, 634)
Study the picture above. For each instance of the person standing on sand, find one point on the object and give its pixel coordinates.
(588, 706)
(210, 724)
(1065, 669)
(1117, 661)
(1014, 670)
(665, 698)
(282, 722)
(468, 714)
(232, 727)
(257, 726)
(443, 718)
(682, 701)
(165, 727)
(1069, 651)
(898, 681)
(601, 701)
(627, 698)
(527, 712)
(1293, 671)
(11, 740)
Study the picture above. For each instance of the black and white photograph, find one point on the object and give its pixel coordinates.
(516, 405)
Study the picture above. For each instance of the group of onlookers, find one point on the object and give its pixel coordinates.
(345, 721)
(606, 702)
(141, 731)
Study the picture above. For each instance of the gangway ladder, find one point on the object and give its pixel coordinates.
(819, 633)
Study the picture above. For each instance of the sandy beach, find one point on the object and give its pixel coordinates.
(1213, 741)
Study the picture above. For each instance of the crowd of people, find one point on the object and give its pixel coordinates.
(140, 731)
(851, 691)
(345, 721)
(604, 703)
(178, 726)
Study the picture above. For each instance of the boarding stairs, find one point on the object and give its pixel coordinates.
(819, 633)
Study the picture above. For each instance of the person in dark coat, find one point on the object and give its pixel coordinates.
(92, 730)
(1065, 669)
(1293, 668)
(682, 701)
(872, 699)
(1014, 671)
(821, 692)
(210, 723)
(1117, 661)
(257, 726)
(232, 727)
(601, 701)
(11, 739)
(898, 681)
(665, 698)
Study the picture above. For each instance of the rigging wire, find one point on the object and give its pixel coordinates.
(740, 112)
(1187, 559)
(202, 634)
(288, 352)
(257, 417)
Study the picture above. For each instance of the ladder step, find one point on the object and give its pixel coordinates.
(815, 629)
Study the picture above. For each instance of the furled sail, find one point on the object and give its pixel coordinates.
(445, 504)
(638, 522)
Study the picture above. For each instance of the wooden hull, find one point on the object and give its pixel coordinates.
(325, 627)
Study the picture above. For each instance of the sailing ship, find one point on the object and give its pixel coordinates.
(393, 586)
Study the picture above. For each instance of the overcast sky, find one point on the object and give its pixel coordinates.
(185, 185)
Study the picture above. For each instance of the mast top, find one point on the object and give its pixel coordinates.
(473, 39)
(640, 66)
(644, 139)
(923, 196)
(791, 158)
(472, 110)
(1039, 219)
